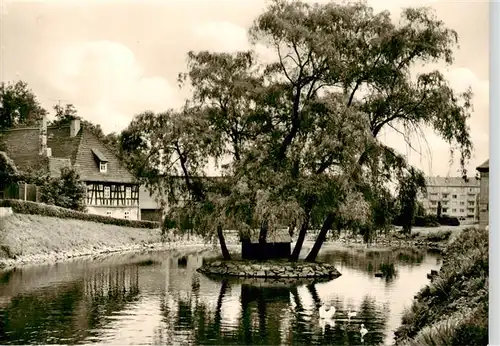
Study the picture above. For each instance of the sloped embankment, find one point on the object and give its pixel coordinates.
(453, 308)
(33, 238)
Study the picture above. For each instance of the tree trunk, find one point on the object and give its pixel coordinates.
(314, 294)
(263, 232)
(218, 309)
(327, 224)
(222, 242)
(261, 308)
(300, 239)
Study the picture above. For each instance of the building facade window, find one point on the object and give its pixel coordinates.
(128, 192)
(107, 192)
(103, 167)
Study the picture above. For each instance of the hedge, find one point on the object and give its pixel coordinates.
(33, 208)
(430, 221)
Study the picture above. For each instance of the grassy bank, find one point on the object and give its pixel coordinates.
(453, 308)
(28, 239)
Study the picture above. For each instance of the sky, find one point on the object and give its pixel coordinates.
(115, 59)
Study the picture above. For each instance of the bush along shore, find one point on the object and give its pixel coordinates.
(33, 208)
(26, 237)
(453, 308)
(435, 239)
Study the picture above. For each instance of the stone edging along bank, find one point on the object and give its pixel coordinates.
(271, 269)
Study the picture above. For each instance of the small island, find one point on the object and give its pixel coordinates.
(273, 269)
(269, 260)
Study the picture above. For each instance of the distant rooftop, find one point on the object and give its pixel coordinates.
(452, 181)
(485, 167)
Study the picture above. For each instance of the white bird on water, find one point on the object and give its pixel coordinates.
(323, 323)
(326, 311)
(363, 331)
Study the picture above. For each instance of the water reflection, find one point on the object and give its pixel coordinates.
(159, 298)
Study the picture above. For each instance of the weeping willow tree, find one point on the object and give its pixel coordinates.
(300, 133)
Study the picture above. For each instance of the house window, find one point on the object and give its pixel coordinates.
(128, 192)
(127, 215)
(462, 210)
(108, 213)
(445, 210)
(454, 196)
(103, 167)
(445, 195)
(106, 192)
(453, 210)
(462, 203)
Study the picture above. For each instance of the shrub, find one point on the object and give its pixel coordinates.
(67, 191)
(446, 220)
(458, 294)
(419, 221)
(438, 236)
(33, 208)
(426, 221)
(8, 170)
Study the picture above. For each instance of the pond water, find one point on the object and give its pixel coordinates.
(159, 298)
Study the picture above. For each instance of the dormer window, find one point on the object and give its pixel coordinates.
(102, 161)
(103, 167)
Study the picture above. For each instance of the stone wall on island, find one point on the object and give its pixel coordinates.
(270, 269)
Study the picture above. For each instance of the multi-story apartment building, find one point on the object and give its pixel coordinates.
(458, 198)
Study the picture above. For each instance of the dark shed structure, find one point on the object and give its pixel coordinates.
(278, 245)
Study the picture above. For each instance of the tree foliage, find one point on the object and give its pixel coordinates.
(411, 184)
(18, 106)
(66, 191)
(8, 170)
(301, 132)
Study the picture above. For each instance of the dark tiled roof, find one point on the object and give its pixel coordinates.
(22, 145)
(88, 166)
(100, 156)
(55, 165)
(452, 181)
(485, 167)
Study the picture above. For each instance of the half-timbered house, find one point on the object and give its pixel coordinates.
(111, 188)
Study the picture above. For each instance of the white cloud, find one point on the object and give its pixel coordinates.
(107, 84)
(229, 37)
(220, 36)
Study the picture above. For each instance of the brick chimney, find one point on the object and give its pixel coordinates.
(74, 127)
(42, 139)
